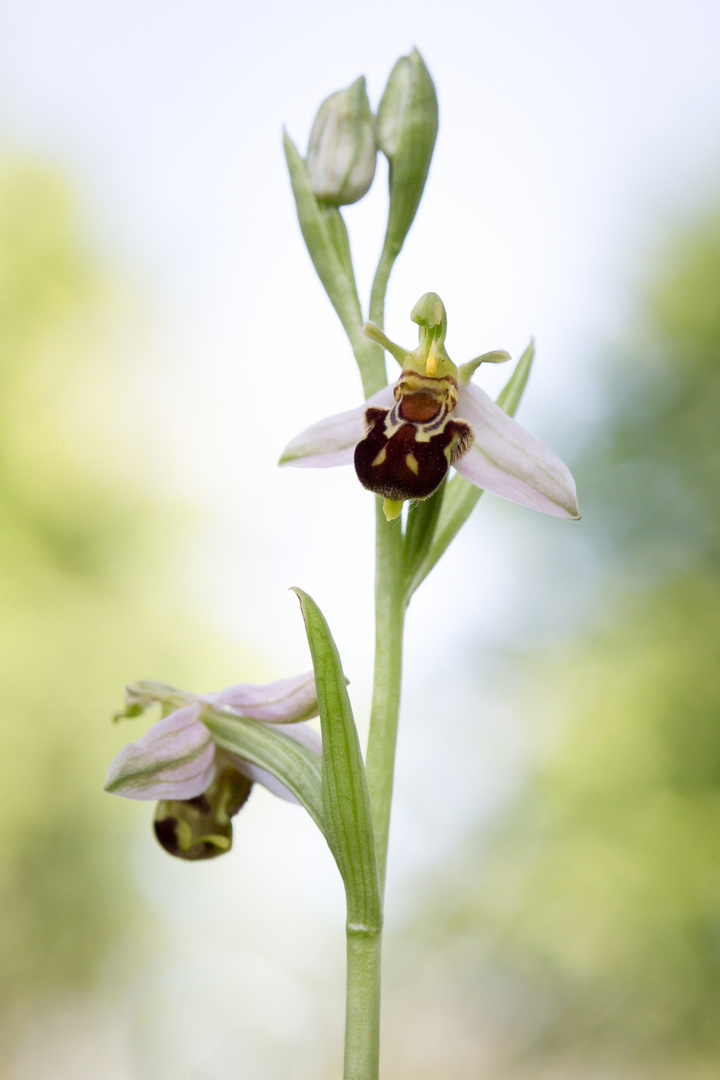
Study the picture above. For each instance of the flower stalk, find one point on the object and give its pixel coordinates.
(403, 441)
(390, 606)
(202, 757)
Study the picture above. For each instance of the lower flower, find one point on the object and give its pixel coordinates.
(200, 787)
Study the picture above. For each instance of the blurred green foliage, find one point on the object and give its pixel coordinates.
(585, 942)
(85, 605)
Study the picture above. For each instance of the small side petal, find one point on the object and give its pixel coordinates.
(175, 759)
(332, 441)
(507, 460)
(283, 702)
(300, 733)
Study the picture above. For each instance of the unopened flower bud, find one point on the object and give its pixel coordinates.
(407, 124)
(342, 151)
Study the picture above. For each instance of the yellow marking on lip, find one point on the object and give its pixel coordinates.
(379, 458)
(218, 840)
(183, 834)
(412, 463)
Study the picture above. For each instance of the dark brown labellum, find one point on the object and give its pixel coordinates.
(200, 828)
(408, 449)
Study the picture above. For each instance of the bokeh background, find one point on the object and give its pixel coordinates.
(554, 888)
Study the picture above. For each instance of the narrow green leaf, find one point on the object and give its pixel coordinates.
(461, 496)
(331, 268)
(289, 761)
(511, 394)
(325, 237)
(346, 803)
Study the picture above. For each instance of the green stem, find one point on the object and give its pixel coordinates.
(389, 621)
(390, 604)
(362, 1008)
(362, 1016)
(380, 283)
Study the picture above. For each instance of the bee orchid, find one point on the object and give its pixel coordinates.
(199, 786)
(404, 439)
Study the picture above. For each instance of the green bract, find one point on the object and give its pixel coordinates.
(327, 242)
(347, 816)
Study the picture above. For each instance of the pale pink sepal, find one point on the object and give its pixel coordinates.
(332, 441)
(507, 460)
(300, 733)
(174, 759)
(283, 702)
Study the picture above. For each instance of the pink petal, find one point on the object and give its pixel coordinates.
(332, 441)
(174, 759)
(306, 736)
(283, 702)
(507, 460)
(261, 776)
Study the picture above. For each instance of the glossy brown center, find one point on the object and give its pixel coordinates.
(419, 408)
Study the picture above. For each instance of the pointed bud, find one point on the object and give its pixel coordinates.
(407, 124)
(342, 151)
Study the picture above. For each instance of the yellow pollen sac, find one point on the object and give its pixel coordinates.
(379, 458)
(431, 365)
(392, 509)
(412, 463)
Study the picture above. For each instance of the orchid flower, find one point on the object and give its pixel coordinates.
(200, 787)
(404, 439)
